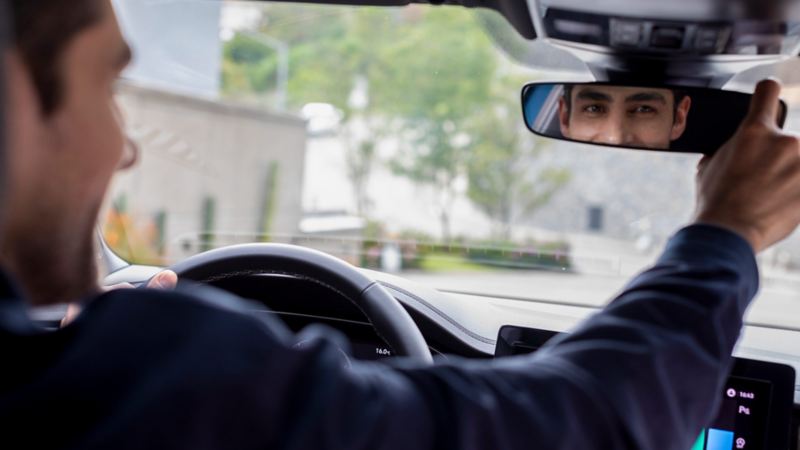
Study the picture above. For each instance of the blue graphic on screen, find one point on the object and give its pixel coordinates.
(719, 440)
(700, 444)
(714, 439)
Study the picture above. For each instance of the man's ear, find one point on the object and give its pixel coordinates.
(563, 117)
(21, 99)
(681, 118)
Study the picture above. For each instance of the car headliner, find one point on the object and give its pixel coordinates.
(516, 12)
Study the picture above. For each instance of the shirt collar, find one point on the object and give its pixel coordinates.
(14, 316)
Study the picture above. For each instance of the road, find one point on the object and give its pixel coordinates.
(777, 304)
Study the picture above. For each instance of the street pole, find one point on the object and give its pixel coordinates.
(282, 49)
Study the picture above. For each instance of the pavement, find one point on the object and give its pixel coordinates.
(777, 304)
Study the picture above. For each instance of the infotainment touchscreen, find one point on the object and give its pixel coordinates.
(741, 422)
(755, 412)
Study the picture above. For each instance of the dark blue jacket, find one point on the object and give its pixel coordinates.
(189, 370)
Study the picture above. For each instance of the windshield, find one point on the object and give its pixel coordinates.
(391, 138)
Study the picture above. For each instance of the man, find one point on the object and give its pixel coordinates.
(52, 262)
(627, 116)
(186, 369)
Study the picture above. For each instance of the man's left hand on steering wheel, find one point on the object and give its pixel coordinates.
(166, 279)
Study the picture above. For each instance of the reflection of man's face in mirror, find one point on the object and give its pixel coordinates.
(626, 116)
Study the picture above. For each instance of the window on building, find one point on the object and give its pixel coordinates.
(596, 218)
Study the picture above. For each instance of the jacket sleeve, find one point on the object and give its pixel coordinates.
(643, 373)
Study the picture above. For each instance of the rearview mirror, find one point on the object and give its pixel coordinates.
(678, 119)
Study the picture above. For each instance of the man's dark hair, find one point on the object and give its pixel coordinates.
(677, 94)
(43, 29)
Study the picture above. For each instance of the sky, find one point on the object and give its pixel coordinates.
(176, 44)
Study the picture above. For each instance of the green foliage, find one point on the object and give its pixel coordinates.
(326, 52)
(537, 256)
(248, 66)
(447, 262)
(269, 200)
(373, 236)
(420, 251)
(160, 223)
(208, 216)
(404, 54)
(438, 69)
(245, 50)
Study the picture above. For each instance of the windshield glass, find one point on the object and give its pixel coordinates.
(391, 138)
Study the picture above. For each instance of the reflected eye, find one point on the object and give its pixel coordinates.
(594, 109)
(644, 109)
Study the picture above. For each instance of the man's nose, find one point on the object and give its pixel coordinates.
(612, 132)
(130, 153)
(130, 150)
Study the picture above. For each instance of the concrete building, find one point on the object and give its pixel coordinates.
(618, 193)
(206, 167)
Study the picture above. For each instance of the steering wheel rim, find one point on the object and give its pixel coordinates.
(389, 319)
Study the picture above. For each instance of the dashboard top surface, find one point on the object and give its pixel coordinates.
(475, 320)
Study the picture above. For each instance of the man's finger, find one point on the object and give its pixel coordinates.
(73, 309)
(702, 164)
(166, 279)
(765, 104)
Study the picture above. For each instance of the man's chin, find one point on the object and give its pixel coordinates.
(53, 288)
(50, 273)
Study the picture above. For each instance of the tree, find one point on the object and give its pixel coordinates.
(327, 65)
(360, 163)
(435, 89)
(428, 71)
(501, 182)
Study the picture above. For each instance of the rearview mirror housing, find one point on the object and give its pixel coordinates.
(666, 118)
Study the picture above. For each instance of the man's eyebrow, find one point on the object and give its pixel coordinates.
(646, 97)
(597, 96)
(124, 57)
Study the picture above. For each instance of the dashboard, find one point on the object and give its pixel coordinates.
(756, 408)
(760, 404)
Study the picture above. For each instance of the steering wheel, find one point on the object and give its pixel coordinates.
(387, 316)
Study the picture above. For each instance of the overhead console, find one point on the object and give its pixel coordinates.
(756, 408)
(682, 42)
(659, 36)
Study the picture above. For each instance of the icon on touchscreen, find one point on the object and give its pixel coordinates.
(719, 439)
(740, 443)
(731, 392)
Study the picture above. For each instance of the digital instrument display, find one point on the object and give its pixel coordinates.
(369, 350)
(755, 412)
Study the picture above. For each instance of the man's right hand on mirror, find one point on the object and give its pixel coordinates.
(752, 184)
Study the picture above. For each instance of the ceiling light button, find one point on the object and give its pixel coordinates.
(625, 33)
